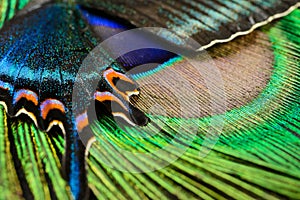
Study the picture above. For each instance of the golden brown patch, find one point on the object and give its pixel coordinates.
(245, 65)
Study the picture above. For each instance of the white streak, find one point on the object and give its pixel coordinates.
(271, 18)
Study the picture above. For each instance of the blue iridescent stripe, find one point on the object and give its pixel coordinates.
(99, 20)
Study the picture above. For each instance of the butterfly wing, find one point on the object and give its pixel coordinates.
(42, 51)
(40, 55)
(208, 22)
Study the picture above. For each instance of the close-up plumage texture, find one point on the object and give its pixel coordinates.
(150, 123)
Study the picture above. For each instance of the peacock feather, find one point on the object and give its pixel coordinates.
(181, 138)
(255, 156)
(9, 8)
